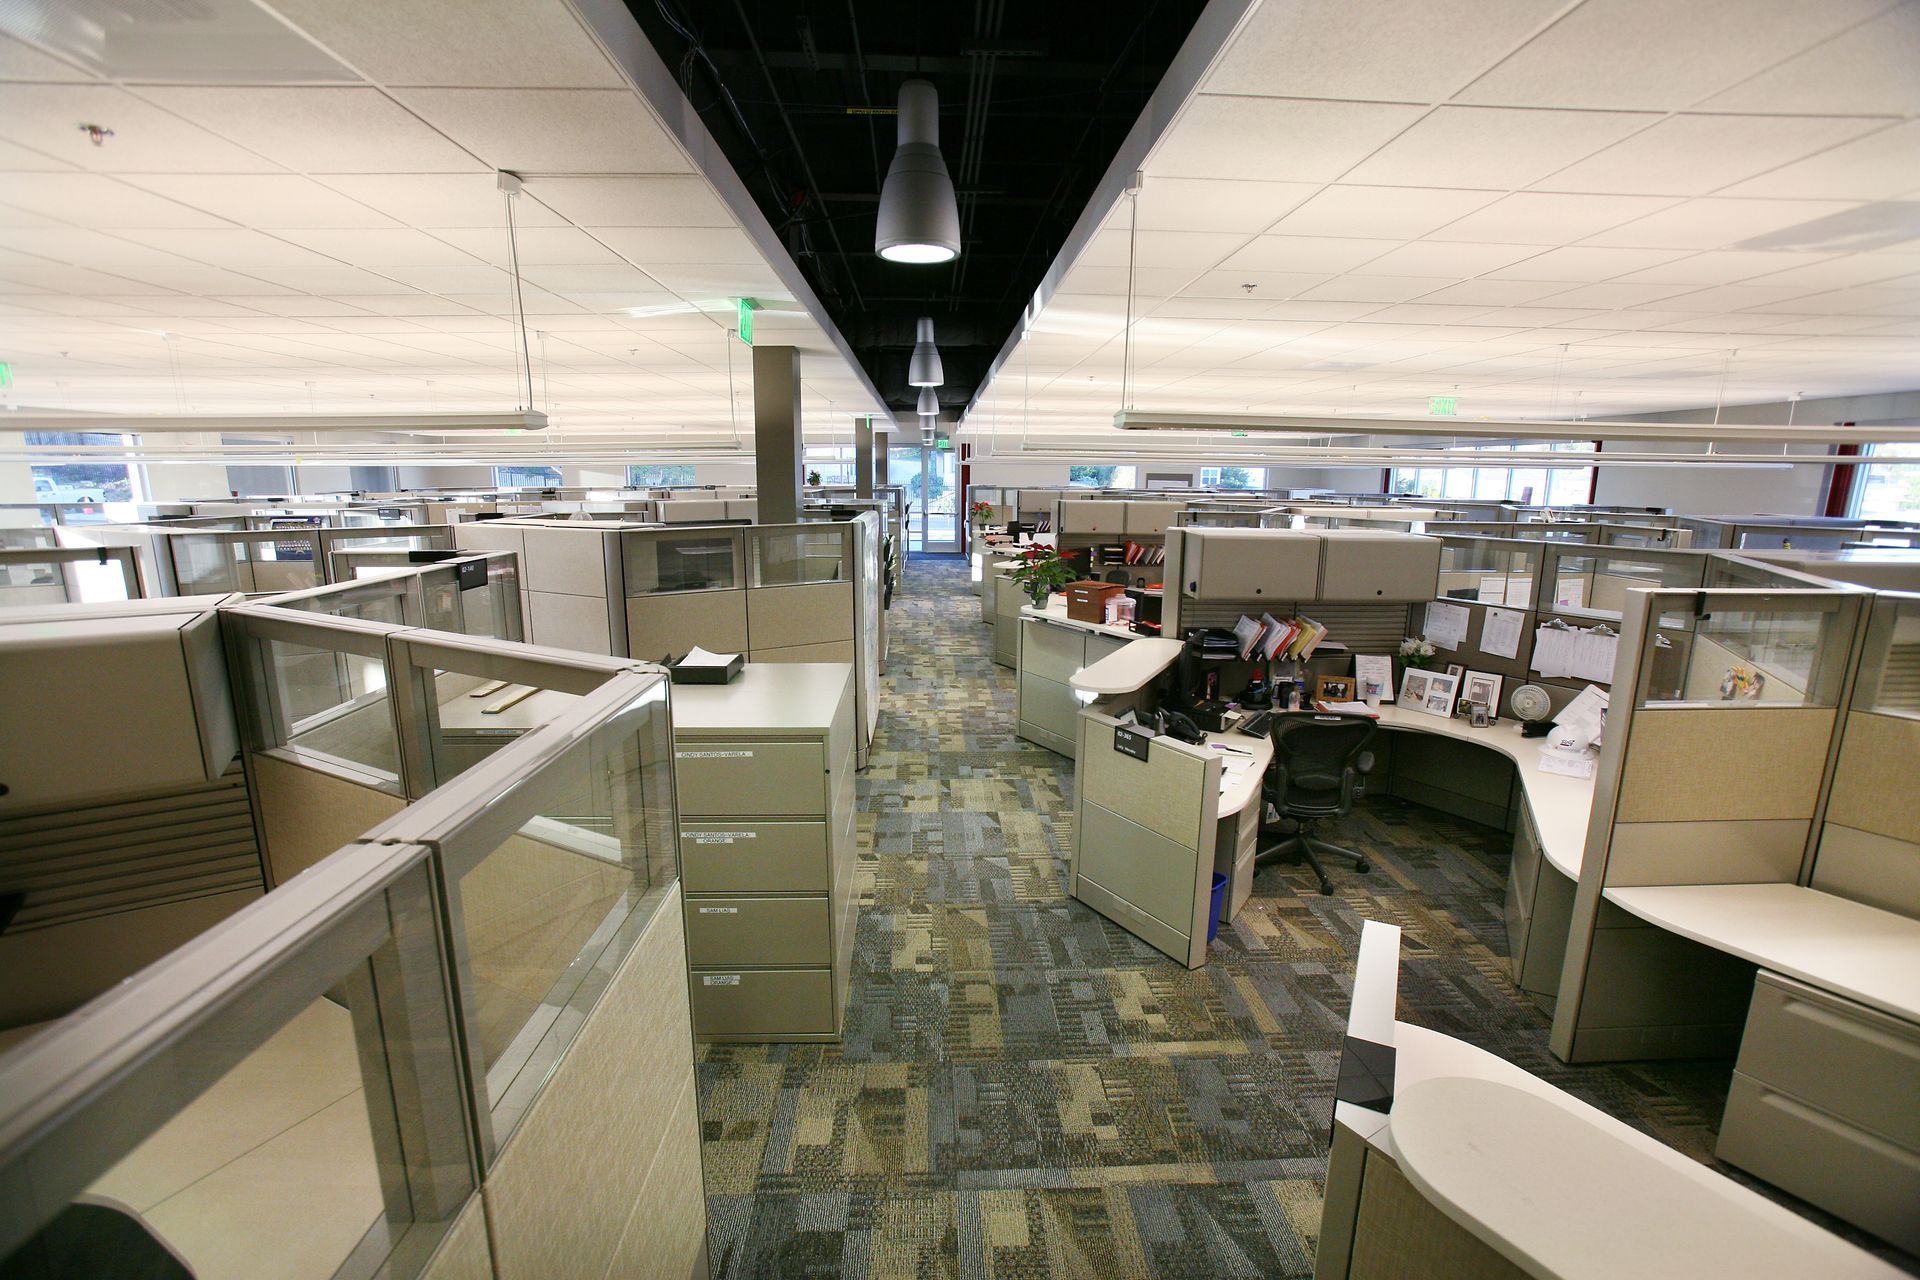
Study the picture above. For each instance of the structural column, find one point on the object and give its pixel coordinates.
(777, 451)
(882, 437)
(863, 457)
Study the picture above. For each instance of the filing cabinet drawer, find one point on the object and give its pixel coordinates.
(1050, 706)
(752, 778)
(1099, 647)
(759, 931)
(1862, 1178)
(1859, 1064)
(762, 1002)
(1050, 651)
(753, 857)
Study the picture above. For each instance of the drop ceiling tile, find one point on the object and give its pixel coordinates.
(1724, 267)
(464, 200)
(235, 248)
(333, 278)
(1734, 297)
(477, 278)
(86, 248)
(506, 43)
(1456, 261)
(1865, 71)
(1497, 293)
(1146, 282)
(1190, 249)
(1357, 288)
(1843, 272)
(103, 203)
(1640, 54)
(1545, 217)
(648, 247)
(1309, 254)
(1281, 139)
(1332, 49)
(1213, 204)
(320, 130)
(1588, 265)
(1268, 286)
(1861, 300)
(145, 138)
(60, 277)
(1424, 312)
(393, 246)
(658, 200)
(532, 131)
(263, 201)
(22, 61)
(1879, 166)
(1492, 147)
(18, 159)
(1614, 295)
(405, 304)
(1533, 317)
(1690, 155)
(205, 281)
(1714, 223)
(1387, 213)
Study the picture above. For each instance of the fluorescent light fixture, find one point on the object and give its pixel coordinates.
(919, 218)
(929, 406)
(1511, 428)
(923, 367)
(154, 424)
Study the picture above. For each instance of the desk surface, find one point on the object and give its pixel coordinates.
(799, 698)
(1240, 785)
(1563, 1191)
(1056, 613)
(1847, 947)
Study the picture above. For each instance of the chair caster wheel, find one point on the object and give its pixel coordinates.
(1362, 867)
(1326, 891)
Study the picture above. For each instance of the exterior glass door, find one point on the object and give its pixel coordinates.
(932, 506)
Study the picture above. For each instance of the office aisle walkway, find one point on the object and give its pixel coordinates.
(1025, 1090)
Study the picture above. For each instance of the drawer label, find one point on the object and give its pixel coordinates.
(718, 837)
(713, 755)
(719, 911)
(721, 980)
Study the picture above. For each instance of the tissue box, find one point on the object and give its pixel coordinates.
(1087, 601)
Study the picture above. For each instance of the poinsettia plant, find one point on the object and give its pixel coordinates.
(1042, 572)
(980, 512)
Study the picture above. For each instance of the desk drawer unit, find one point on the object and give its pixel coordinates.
(762, 1004)
(1825, 1103)
(758, 931)
(1052, 651)
(750, 778)
(754, 857)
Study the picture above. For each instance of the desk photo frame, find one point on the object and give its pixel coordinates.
(1432, 692)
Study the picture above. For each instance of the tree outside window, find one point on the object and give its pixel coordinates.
(659, 477)
(80, 481)
(1233, 477)
(1887, 492)
(526, 477)
(1101, 477)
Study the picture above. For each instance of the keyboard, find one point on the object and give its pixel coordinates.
(1255, 725)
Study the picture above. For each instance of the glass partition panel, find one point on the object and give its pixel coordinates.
(67, 575)
(281, 1097)
(1889, 680)
(1492, 571)
(319, 690)
(213, 562)
(1750, 648)
(697, 559)
(1597, 582)
(813, 553)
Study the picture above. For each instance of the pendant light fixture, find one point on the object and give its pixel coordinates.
(929, 406)
(919, 217)
(923, 367)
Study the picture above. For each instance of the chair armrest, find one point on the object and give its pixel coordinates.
(1364, 762)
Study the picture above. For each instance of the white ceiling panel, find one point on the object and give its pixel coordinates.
(15, 158)
(1883, 164)
(467, 200)
(1639, 54)
(21, 61)
(1713, 223)
(1194, 249)
(319, 130)
(85, 248)
(1388, 213)
(100, 202)
(206, 281)
(654, 201)
(393, 246)
(1305, 254)
(145, 138)
(1544, 217)
(1584, 264)
(1491, 147)
(1202, 204)
(1272, 286)
(662, 246)
(1717, 268)
(265, 202)
(1868, 70)
(537, 246)
(1289, 139)
(531, 131)
(1614, 295)
(1690, 155)
(1454, 260)
(1332, 49)
(233, 247)
(1374, 288)
(509, 43)
(1497, 293)
(1844, 272)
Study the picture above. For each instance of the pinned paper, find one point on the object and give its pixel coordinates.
(1446, 625)
(1583, 655)
(1500, 632)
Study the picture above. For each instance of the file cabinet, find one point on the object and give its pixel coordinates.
(764, 779)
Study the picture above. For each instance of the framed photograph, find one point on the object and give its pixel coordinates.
(1333, 689)
(1433, 692)
(1482, 688)
(1479, 715)
(1457, 671)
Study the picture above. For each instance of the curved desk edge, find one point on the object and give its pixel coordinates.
(1127, 670)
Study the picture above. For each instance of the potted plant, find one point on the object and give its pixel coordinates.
(980, 512)
(813, 478)
(1042, 572)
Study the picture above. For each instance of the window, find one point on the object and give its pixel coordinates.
(1886, 492)
(1233, 477)
(660, 476)
(1101, 477)
(81, 481)
(526, 477)
(1533, 485)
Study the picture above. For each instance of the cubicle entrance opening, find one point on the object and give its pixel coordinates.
(927, 474)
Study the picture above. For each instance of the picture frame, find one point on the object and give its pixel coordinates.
(1432, 692)
(1480, 717)
(1483, 688)
(1333, 689)
(1456, 670)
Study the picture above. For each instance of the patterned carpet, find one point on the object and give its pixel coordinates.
(1025, 1091)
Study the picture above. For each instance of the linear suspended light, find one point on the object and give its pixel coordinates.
(919, 218)
(152, 424)
(1513, 428)
(923, 367)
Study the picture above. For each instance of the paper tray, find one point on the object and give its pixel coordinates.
(706, 674)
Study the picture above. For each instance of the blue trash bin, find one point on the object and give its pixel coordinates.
(1219, 906)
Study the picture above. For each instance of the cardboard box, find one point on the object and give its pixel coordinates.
(1087, 601)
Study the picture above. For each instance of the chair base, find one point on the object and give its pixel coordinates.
(1304, 847)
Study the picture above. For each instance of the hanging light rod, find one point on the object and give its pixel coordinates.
(152, 424)
(1513, 428)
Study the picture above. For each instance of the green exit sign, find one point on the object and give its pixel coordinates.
(746, 307)
(1238, 435)
(1443, 406)
(6, 374)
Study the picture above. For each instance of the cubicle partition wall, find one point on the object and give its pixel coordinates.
(31, 577)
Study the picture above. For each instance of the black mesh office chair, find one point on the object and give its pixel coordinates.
(1320, 762)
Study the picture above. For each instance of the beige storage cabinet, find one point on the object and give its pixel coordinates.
(1151, 519)
(1049, 654)
(1377, 566)
(764, 776)
(1251, 564)
(1092, 515)
(1009, 597)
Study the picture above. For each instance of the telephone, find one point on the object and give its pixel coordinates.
(1180, 727)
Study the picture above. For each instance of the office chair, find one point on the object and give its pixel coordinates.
(1320, 762)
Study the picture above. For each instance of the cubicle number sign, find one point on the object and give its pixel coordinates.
(1131, 742)
(470, 574)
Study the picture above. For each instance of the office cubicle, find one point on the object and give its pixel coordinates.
(68, 575)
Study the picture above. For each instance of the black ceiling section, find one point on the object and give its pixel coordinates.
(1035, 99)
